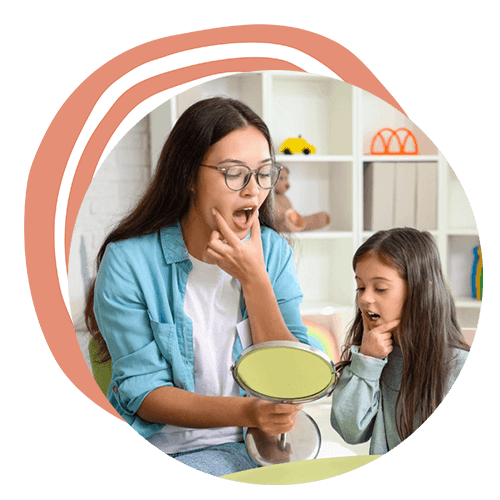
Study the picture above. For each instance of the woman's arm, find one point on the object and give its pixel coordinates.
(266, 320)
(173, 406)
(143, 378)
(245, 262)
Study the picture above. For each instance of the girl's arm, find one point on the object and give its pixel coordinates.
(173, 406)
(356, 399)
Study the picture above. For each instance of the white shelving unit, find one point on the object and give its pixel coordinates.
(340, 121)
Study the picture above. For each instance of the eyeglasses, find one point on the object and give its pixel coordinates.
(238, 176)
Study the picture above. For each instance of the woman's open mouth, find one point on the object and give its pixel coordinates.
(243, 217)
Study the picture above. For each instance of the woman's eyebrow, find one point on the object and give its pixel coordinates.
(240, 162)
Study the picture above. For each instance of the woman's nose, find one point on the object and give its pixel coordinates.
(252, 188)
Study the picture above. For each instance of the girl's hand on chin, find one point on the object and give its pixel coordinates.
(377, 342)
(243, 261)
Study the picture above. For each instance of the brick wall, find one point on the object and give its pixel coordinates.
(117, 185)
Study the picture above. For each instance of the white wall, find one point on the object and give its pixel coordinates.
(117, 185)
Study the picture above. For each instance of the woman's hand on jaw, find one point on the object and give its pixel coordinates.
(243, 261)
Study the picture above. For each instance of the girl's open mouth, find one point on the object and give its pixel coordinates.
(373, 316)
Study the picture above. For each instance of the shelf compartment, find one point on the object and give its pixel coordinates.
(460, 217)
(324, 273)
(318, 108)
(323, 187)
(378, 114)
(460, 261)
(400, 194)
(246, 87)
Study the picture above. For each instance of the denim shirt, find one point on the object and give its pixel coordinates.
(139, 307)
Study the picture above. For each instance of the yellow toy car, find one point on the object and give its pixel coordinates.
(297, 145)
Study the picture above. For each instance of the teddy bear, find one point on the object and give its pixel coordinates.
(287, 219)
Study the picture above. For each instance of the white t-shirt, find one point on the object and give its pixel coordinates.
(212, 303)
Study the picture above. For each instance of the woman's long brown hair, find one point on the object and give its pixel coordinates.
(429, 327)
(167, 198)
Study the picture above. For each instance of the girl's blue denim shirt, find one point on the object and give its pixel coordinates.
(139, 307)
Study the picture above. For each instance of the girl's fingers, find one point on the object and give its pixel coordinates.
(386, 327)
(392, 325)
(378, 341)
(365, 323)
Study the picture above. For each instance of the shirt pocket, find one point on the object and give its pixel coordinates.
(165, 335)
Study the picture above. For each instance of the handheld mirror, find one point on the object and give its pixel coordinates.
(285, 372)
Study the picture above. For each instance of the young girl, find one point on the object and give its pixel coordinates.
(189, 279)
(404, 349)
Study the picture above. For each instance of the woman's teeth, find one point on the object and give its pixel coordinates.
(242, 216)
(373, 316)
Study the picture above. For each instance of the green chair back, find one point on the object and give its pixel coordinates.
(101, 371)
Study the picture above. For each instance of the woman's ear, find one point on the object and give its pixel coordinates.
(193, 182)
(191, 187)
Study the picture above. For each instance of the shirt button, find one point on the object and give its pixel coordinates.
(115, 388)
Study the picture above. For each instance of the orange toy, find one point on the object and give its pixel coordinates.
(394, 142)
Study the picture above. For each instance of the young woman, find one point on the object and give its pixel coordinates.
(189, 279)
(405, 347)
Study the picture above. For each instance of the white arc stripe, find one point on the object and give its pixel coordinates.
(169, 63)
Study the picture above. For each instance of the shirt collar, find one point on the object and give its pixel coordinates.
(172, 243)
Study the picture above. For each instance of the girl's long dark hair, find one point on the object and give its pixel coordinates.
(167, 198)
(429, 327)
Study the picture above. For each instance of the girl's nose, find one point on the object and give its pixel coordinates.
(365, 298)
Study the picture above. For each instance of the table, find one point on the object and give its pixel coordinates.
(305, 471)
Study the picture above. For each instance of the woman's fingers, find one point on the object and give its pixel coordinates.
(275, 418)
(224, 229)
